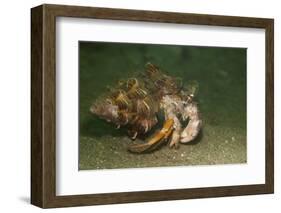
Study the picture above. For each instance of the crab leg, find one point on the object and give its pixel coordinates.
(161, 136)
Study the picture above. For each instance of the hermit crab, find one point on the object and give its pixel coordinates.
(136, 104)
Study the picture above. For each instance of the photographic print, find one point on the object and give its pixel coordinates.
(152, 105)
(155, 100)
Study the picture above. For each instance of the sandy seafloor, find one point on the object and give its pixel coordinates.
(109, 152)
(221, 73)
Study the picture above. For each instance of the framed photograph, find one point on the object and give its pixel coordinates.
(137, 106)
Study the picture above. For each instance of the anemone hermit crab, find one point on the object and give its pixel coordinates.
(136, 103)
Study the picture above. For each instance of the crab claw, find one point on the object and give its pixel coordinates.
(156, 140)
(194, 125)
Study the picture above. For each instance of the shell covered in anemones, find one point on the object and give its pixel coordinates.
(134, 102)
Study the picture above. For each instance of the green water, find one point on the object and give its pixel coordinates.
(221, 74)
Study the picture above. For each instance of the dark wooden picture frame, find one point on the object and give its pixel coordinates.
(43, 105)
